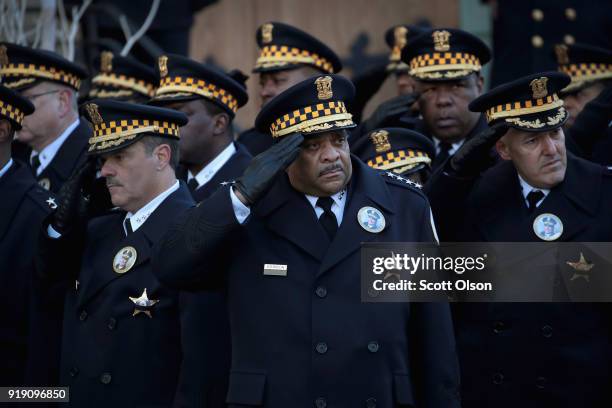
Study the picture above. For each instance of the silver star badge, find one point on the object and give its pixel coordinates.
(143, 304)
(51, 203)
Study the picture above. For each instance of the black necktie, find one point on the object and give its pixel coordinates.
(328, 218)
(443, 154)
(35, 163)
(192, 184)
(128, 226)
(533, 198)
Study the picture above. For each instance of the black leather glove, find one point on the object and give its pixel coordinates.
(72, 201)
(474, 156)
(388, 111)
(258, 177)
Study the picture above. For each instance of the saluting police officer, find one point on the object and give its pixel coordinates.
(55, 134)
(121, 342)
(286, 237)
(24, 205)
(531, 355)
(446, 64)
(288, 55)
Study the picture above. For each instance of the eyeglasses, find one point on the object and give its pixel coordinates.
(32, 97)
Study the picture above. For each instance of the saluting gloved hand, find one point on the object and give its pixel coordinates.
(474, 157)
(389, 110)
(260, 174)
(71, 199)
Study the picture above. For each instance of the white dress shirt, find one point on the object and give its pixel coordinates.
(454, 147)
(6, 167)
(139, 218)
(241, 211)
(48, 153)
(209, 171)
(527, 188)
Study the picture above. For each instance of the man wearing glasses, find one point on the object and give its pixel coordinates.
(57, 139)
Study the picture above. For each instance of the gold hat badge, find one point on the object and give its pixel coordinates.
(163, 65)
(324, 88)
(266, 33)
(538, 87)
(380, 138)
(106, 62)
(441, 40)
(94, 114)
(400, 33)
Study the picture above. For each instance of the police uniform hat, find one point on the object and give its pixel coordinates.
(122, 78)
(119, 124)
(584, 64)
(286, 47)
(399, 150)
(315, 105)
(531, 103)
(397, 38)
(445, 54)
(13, 107)
(182, 79)
(23, 67)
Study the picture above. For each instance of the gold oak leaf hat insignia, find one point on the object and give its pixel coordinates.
(24, 67)
(283, 47)
(315, 105)
(185, 80)
(532, 103)
(445, 54)
(119, 124)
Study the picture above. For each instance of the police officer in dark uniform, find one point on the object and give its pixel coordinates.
(531, 355)
(288, 55)
(286, 239)
(588, 99)
(401, 151)
(24, 205)
(121, 343)
(122, 78)
(446, 64)
(55, 134)
(210, 99)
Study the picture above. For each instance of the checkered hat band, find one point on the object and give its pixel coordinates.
(586, 70)
(40, 71)
(391, 160)
(199, 87)
(310, 115)
(444, 61)
(125, 82)
(524, 107)
(110, 94)
(123, 129)
(11, 112)
(278, 55)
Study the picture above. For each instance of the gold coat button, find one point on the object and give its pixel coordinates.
(537, 14)
(569, 39)
(570, 13)
(537, 41)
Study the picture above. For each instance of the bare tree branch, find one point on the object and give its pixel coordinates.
(77, 14)
(125, 26)
(142, 30)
